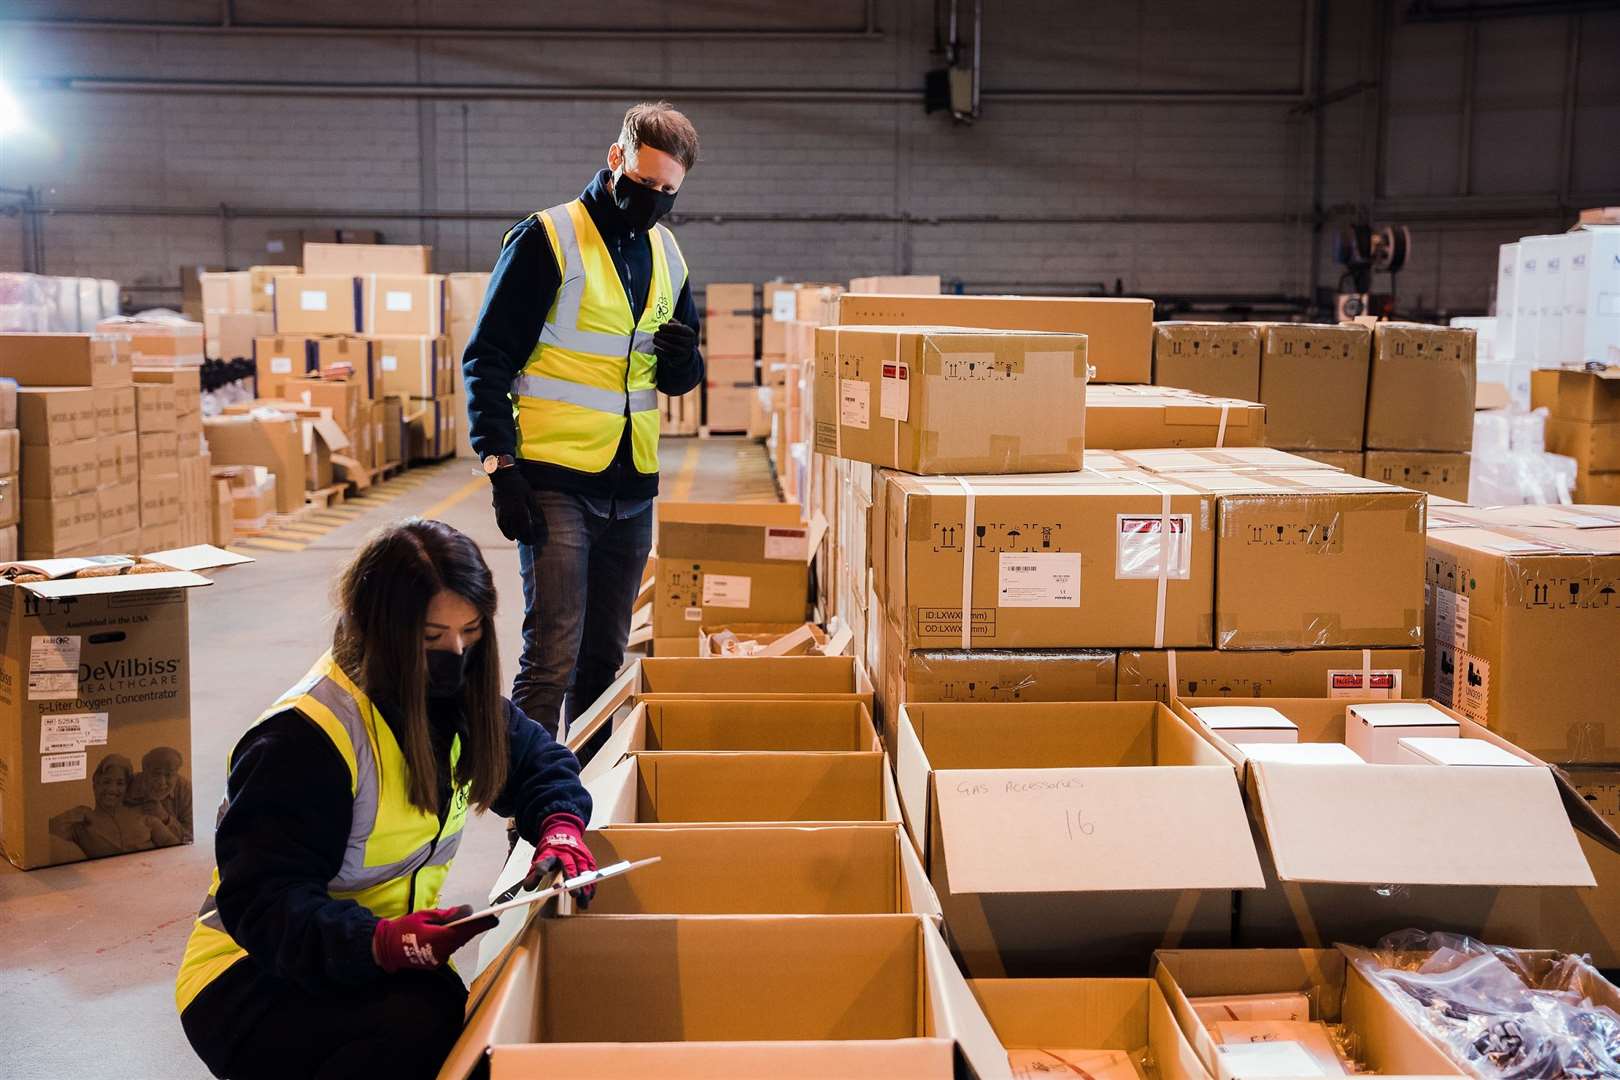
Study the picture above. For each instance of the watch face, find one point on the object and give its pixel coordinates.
(491, 463)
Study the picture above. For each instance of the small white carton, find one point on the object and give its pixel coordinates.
(1312, 753)
(1240, 724)
(1442, 751)
(1374, 731)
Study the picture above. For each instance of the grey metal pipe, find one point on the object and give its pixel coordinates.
(869, 32)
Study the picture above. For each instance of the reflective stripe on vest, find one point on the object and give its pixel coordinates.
(389, 842)
(593, 368)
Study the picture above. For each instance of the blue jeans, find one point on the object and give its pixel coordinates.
(579, 585)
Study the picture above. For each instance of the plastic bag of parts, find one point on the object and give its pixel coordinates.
(1501, 1014)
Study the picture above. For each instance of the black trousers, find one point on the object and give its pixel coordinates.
(248, 1024)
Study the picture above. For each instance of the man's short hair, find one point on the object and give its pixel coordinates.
(660, 125)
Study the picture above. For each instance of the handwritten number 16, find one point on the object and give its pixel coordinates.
(1073, 820)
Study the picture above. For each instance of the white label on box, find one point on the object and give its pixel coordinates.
(57, 768)
(281, 365)
(694, 614)
(397, 300)
(390, 362)
(855, 403)
(894, 399)
(787, 543)
(1038, 579)
(1450, 618)
(727, 590)
(53, 667)
(312, 299)
(1347, 683)
(71, 731)
(785, 306)
(270, 287)
(1140, 545)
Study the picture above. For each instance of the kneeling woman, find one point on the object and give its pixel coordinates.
(319, 950)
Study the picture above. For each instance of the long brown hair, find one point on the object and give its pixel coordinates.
(383, 600)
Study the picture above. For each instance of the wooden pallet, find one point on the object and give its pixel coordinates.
(326, 496)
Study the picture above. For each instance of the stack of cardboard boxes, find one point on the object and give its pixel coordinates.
(195, 512)
(237, 308)
(1583, 422)
(730, 331)
(1553, 306)
(10, 470)
(466, 303)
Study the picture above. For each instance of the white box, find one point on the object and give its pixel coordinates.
(1527, 297)
(1577, 253)
(1248, 723)
(1550, 326)
(1375, 731)
(1507, 265)
(1309, 1036)
(1213, 1010)
(1601, 332)
(1430, 751)
(1240, 1061)
(1305, 753)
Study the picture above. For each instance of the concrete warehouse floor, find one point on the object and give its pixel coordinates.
(88, 952)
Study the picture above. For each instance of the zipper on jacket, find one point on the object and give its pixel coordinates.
(444, 816)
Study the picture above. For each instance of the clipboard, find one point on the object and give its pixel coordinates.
(590, 877)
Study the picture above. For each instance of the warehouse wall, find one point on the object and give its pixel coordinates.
(1167, 144)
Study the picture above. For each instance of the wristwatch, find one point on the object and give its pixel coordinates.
(496, 462)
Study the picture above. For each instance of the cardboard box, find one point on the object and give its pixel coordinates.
(275, 443)
(225, 291)
(1353, 462)
(156, 408)
(744, 562)
(727, 406)
(8, 403)
(262, 287)
(359, 259)
(115, 410)
(10, 503)
(1386, 1041)
(1146, 675)
(1067, 561)
(64, 360)
(1313, 383)
(118, 459)
(727, 997)
(1597, 487)
(289, 244)
(120, 511)
(393, 440)
(728, 337)
(53, 472)
(931, 400)
(254, 501)
(907, 284)
(416, 366)
(744, 786)
(1140, 417)
(279, 359)
(1420, 394)
(1437, 473)
(1524, 627)
(1588, 920)
(1594, 446)
(349, 357)
(10, 451)
(758, 725)
(404, 304)
(155, 344)
(1194, 460)
(222, 513)
(8, 546)
(344, 397)
(51, 416)
(1119, 331)
(430, 428)
(159, 454)
(1216, 359)
(160, 499)
(1161, 825)
(1454, 752)
(1046, 1022)
(1375, 731)
(723, 299)
(318, 304)
(994, 674)
(1326, 883)
(111, 697)
(64, 525)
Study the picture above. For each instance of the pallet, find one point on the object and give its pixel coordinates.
(279, 521)
(326, 497)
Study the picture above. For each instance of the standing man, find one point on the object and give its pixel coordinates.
(588, 314)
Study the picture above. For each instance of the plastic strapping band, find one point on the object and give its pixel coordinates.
(838, 392)
(1220, 436)
(1164, 557)
(895, 420)
(1366, 672)
(968, 526)
(371, 305)
(1172, 688)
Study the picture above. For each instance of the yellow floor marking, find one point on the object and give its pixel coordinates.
(682, 489)
(460, 494)
(270, 543)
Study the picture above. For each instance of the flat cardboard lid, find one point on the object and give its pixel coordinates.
(921, 1058)
(123, 583)
(1399, 714)
(1248, 717)
(1094, 830)
(1404, 825)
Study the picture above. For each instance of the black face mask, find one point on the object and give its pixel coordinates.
(642, 205)
(446, 673)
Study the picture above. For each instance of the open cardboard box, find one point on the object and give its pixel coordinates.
(754, 724)
(718, 677)
(737, 787)
(1030, 814)
(1339, 994)
(769, 639)
(843, 995)
(1353, 852)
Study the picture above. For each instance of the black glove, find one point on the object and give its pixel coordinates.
(673, 342)
(514, 504)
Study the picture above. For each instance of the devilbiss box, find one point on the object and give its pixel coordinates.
(1524, 625)
(742, 562)
(1313, 383)
(1028, 813)
(937, 400)
(95, 707)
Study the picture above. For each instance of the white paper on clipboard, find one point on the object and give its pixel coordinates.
(590, 877)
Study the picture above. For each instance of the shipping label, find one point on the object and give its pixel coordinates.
(787, 543)
(693, 614)
(1140, 547)
(281, 365)
(1038, 580)
(397, 300)
(727, 590)
(785, 306)
(894, 402)
(58, 768)
(390, 362)
(68, 732)
(1450, 618)
(1349, 683)
(53, 667)
(855, 403)
(312, 299)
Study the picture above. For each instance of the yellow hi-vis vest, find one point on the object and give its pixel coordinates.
(397, 856)
(593, 366)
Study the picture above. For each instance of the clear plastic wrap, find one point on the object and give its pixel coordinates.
(1499, 1013)
(1510, 464)
(24, 305)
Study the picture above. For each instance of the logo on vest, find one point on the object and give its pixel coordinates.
(662, 308)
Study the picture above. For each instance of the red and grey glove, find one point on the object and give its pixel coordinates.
(562, 849)
(420, 940)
